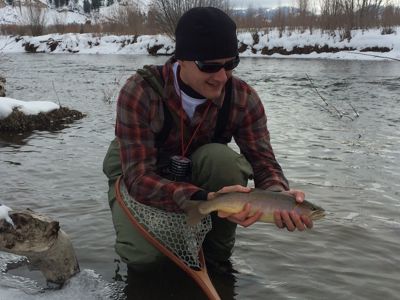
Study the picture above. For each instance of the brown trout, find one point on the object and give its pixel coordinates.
(261, 200)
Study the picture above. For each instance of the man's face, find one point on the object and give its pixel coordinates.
(210, 85)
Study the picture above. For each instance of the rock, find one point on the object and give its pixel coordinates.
(153, 50)
(30, 48)
(2, 87)
(41, 240)
(52, 44)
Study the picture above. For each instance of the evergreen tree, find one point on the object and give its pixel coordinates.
(110, 2)
(10, 2)
(86, 6)
(96, 4)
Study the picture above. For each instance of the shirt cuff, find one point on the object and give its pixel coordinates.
(199, 196)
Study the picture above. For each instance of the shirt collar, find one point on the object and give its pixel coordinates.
(169, 88)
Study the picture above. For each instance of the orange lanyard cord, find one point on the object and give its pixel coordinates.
(183, 149)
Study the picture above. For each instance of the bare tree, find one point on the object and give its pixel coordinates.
(60, 21)
(128, 18)
(279, 20)
(331, 12)
(36, 17)
(390, 17)
(253, 19)
(166, 13)
(303, 6)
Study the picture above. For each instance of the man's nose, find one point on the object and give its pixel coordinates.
(220, 75)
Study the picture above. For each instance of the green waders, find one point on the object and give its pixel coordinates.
(213, 167)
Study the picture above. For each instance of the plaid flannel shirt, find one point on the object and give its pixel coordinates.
(140, 116)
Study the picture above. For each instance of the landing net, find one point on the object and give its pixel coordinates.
(170, 229)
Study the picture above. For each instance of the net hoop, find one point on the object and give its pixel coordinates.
(193, 263)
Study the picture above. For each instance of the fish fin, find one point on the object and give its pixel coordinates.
(193, 215)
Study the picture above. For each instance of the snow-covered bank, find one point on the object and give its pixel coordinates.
(18, 116)
(88, 44)
(7, 105)
(364, 44)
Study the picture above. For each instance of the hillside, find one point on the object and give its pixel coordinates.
(72, 11)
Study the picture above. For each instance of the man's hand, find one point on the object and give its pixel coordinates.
(244, 218)
(292, 220)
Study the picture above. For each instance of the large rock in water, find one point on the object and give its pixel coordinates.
(41, 240)
(2, 87)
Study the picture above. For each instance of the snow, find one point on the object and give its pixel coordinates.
(73, 14)
(126, 44)
(13, 15)
(360, 39)
(28, 108)
(4, 214)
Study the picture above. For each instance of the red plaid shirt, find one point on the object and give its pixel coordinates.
(140, 117)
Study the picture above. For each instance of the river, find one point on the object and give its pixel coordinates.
(346, 163)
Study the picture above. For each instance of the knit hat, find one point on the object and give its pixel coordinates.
(205, 33)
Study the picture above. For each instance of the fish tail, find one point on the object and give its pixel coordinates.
(193, 215)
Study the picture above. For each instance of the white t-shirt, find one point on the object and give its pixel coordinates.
(189, 103)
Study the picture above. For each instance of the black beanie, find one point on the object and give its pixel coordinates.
(205, 33)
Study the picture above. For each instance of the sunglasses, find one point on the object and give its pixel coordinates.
(211, 67)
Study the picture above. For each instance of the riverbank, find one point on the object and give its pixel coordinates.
(363, 44)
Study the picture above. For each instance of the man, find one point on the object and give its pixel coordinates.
(197, 85)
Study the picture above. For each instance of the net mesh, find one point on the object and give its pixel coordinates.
(170, 229)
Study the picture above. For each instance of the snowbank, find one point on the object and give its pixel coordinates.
(364, 44)
(18, 116)
(7, 105)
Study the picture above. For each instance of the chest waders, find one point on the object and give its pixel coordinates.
(167, 232)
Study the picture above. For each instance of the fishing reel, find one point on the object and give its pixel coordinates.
(180, 168)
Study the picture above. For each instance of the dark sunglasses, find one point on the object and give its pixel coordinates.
(211, 67)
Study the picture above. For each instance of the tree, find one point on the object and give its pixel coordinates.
(96, 4)
(166, 13)
(36, 18)
(87, 6)
(303, 6)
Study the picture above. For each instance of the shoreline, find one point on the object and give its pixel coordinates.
(363, 44)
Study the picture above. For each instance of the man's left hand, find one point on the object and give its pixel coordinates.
(291, 219)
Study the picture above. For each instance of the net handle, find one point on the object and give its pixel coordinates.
(200, 277)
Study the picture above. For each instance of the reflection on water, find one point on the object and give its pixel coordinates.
(351, 168)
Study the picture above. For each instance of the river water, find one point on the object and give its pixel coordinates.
(349, 165)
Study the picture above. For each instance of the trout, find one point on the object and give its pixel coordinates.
(261, 200)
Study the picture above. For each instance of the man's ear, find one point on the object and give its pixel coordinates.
(179, 61)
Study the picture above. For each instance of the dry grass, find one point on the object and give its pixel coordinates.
(343, 15)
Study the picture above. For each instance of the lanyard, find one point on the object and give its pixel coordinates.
(183, 148)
